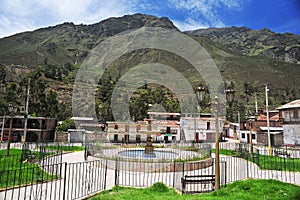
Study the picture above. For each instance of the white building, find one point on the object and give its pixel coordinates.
(200, 127)
(162, 126)
(290, 116)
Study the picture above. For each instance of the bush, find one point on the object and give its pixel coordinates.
(159, 187)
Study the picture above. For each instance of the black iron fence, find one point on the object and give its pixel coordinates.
(56, 181)
(37, 171)
(49, 177)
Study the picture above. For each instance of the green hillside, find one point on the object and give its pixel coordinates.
(50, 57)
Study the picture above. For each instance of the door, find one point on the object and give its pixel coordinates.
(166, 138)
(115, 137)
(126, 138)
(197, 137)
(272, 140)
(138, 138)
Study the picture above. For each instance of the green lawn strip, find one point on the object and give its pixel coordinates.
(246, 189)
(277, 163)
(65, 148)
(13, 171)
(265, 161)
(224, 152)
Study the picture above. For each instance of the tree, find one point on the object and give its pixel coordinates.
(52, 104)
(67, 124)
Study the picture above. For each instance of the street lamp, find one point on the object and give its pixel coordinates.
(229, 97)
(11, 110)
(200, 91)
(251, 124)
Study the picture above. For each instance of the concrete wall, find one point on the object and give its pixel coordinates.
(291, 134)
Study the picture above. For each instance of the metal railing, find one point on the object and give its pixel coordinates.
(50, 178)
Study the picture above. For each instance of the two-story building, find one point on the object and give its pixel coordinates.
(290, 117)
(200, 127)
(162, 126)
(38, 128)
(258, 127)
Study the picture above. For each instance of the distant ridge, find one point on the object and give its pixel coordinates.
(264, 42)
(246, 58)
(67, 42)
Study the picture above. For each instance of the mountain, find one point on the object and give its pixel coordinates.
(247, 59)
(69, 43)
(264, 42)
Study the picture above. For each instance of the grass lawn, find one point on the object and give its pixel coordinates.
(16, 172)
(240, 190)
(65, 148)
(267, 162)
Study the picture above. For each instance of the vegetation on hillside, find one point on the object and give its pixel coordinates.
(49, 59)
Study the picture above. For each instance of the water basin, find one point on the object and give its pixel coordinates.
(140, 154)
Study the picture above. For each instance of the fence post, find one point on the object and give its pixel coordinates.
(182, 169)
(65, 181)
(105, 175)
(247, 164)
(258, 155)
(225, 173)
(116, 174)
(182, 177)
(174, 170)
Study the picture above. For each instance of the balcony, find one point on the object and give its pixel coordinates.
(292, 121)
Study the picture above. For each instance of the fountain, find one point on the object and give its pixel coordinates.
(150, 159)
(149, 147)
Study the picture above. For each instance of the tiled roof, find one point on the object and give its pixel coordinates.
(271, 118)
(293, 104)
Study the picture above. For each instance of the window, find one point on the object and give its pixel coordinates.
(253, 136)
(116, 126)
(243, 135)
(168, 129)
(296, 115)
(208, 126)
(126, 127)
(138, 127)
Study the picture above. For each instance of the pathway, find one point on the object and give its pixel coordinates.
(80, 181)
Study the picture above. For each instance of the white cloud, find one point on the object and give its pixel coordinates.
(10, 26)
(189, 25)
(22, 15)
(204, 12)
(105, 9)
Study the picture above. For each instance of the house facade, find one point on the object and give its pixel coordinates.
(166, 127)
(290, 117)
(275, 128)
(38, 128)
(200, 127)
(162, 126)
(259, 129)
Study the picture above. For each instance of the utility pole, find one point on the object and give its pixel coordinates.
(256, 106)
(217, 153)
(26, 113)
(268, 122)
(2, 128)
(11, 110)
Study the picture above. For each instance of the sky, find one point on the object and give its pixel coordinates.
(26, 15)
